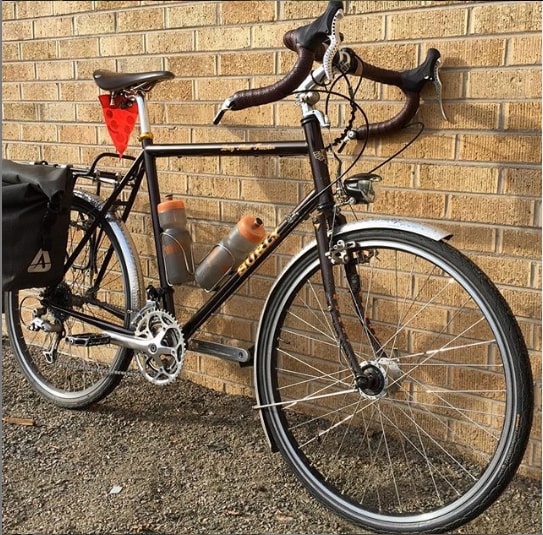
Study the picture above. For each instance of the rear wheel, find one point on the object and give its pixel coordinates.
(443, 421)
(105, 282)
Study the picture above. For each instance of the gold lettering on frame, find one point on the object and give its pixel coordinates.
(258, 252)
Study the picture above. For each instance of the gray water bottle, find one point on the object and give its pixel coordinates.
(176, 241)
(230, 252)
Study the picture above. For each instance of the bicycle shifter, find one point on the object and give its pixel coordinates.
(414, 80)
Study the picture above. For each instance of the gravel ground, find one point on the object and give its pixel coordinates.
(171, 460)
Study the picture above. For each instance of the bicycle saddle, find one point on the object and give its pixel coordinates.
(116, 81)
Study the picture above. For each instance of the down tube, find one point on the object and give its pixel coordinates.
(251, 263)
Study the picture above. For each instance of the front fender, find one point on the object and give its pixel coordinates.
(412, 227)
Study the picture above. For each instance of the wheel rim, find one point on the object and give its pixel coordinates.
(408, 430)
(75, 373)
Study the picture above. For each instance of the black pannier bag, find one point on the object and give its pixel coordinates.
(36, 203)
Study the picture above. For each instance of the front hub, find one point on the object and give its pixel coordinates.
(379, 378)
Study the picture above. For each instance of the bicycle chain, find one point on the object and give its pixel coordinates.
(101, 370)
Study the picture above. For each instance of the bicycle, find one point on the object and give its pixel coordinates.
(389, 371)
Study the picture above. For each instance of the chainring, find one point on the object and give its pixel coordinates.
(163, 359)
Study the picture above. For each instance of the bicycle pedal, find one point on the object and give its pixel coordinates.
(88, 339)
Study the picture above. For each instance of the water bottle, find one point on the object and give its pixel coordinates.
(176, 241)
(230, 252)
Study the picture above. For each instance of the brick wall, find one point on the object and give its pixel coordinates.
(478, 175)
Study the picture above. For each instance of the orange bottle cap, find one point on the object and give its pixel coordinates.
(170, 204)
(252, 228)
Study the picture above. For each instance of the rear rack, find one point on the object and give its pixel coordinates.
(101, 175)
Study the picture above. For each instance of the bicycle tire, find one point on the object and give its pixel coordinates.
(438, 439)
(75, 377)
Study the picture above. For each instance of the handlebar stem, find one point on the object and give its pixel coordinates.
(314, 79)
(307, 98)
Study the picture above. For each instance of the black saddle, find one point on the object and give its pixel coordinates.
(116, 81)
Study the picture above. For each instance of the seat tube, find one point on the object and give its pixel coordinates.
(146, 138)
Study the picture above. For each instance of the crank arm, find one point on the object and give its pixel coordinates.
(137, 344)
(109, 337)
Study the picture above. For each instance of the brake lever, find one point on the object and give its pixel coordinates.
(226, 105)
(439, 88)
(333, 47)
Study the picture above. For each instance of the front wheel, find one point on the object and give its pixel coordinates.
(104, 282)
(439, 430)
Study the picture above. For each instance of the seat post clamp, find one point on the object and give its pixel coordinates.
(145, 135)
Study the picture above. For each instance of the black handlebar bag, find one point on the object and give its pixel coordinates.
(36, 203)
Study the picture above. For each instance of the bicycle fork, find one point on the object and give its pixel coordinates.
(322, 222)
(365, 377)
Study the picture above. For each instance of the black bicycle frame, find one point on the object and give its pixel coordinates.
(319, 201)
(320, 197)
(153, 152)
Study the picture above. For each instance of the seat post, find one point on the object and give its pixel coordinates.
(145, 127)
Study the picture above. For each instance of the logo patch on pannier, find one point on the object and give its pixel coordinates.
(41, 262)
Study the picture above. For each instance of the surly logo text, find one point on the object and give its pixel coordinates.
(258, 252)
